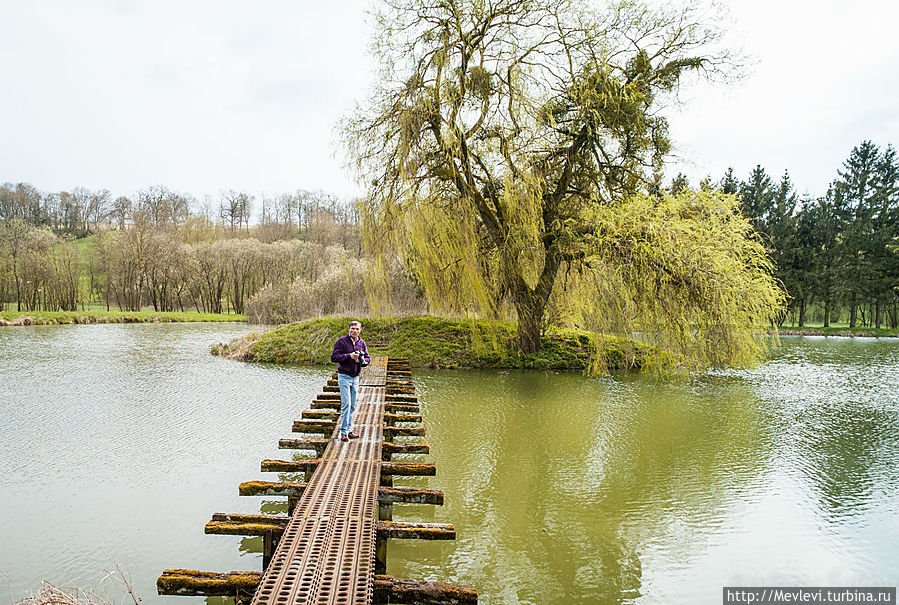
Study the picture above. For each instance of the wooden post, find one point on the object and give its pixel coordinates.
(292, 502)
(380, 555)
(269, 544)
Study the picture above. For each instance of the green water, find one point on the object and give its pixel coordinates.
(118, 442)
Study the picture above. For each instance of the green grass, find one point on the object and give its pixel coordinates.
(444, 343)
(17, 318)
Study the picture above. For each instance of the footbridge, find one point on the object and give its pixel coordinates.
(331, 547)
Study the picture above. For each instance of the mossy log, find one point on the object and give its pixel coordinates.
(328, 397)
(388, 589)
(320, 415)
(415, 531)
(392, 431)
(402, 407)
(272, 488)
(406, 495)
(401, 398)
(391, 418)
(247, 528)
(322, 404)
(242, 585)
(276, 520)
(193, 583)
(314, 426)
(289, 466)
(390, 448)
(409, 469)
(410, 495)
(387, 468)
(331, 389)
(399, 390)
(256, 525)
(317, 445)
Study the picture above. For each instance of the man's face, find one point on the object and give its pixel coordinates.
(355, 331)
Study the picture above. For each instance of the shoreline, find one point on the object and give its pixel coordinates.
(433, 342)
(837, 332)
(49, 318)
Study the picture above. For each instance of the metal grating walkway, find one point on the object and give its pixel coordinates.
(327, 552)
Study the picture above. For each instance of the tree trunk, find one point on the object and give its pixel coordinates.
(530, 319)
(801, 312)
(826, 313)
(853, 314)
(530, 304)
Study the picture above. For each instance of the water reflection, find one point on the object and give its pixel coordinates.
(563, 489)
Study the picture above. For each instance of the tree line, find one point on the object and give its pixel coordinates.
(161, 248)
(837, 255)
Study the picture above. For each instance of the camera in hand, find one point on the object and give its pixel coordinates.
(362, 361)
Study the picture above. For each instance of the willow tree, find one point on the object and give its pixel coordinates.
(502, 131)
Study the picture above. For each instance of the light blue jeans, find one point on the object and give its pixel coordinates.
(347, 386)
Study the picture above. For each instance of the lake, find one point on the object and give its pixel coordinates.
(118, 442)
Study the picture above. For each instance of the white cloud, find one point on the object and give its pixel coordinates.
(204, 95)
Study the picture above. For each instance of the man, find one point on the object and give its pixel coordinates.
(350, 354)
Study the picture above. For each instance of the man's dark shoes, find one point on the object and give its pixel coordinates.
(343, 437)
(352, 435)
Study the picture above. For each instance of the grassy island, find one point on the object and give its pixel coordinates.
(39, 318)
(442, 343)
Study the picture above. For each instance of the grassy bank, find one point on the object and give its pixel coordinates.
(37, 318)
(443, 343)
(837, 331)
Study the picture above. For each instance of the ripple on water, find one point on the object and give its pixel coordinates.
(124, 439)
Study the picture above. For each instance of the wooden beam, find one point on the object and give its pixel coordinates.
(256, 525)
(390, 448)
(392, 431)
(391, 418)
(415, 531)
(388, 589)
(399, 390)
(242, 585)
(320, 415)
(402, 407)
(321, 404)
(314, 426)
(401, 398)
(410, 495)
(409, 469)
(318, 445)
(289, 466)
(193, 583)
(406, 495)
(245, 525)
(272, 488)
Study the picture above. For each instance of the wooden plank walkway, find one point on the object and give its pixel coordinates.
(327, 551)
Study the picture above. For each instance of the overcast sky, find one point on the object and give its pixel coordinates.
(203, 96)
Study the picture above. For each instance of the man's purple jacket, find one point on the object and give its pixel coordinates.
(341, 355)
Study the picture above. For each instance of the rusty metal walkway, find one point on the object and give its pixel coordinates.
(327, 551)
(331, 547)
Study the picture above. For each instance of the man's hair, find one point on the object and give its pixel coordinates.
(355, 323)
